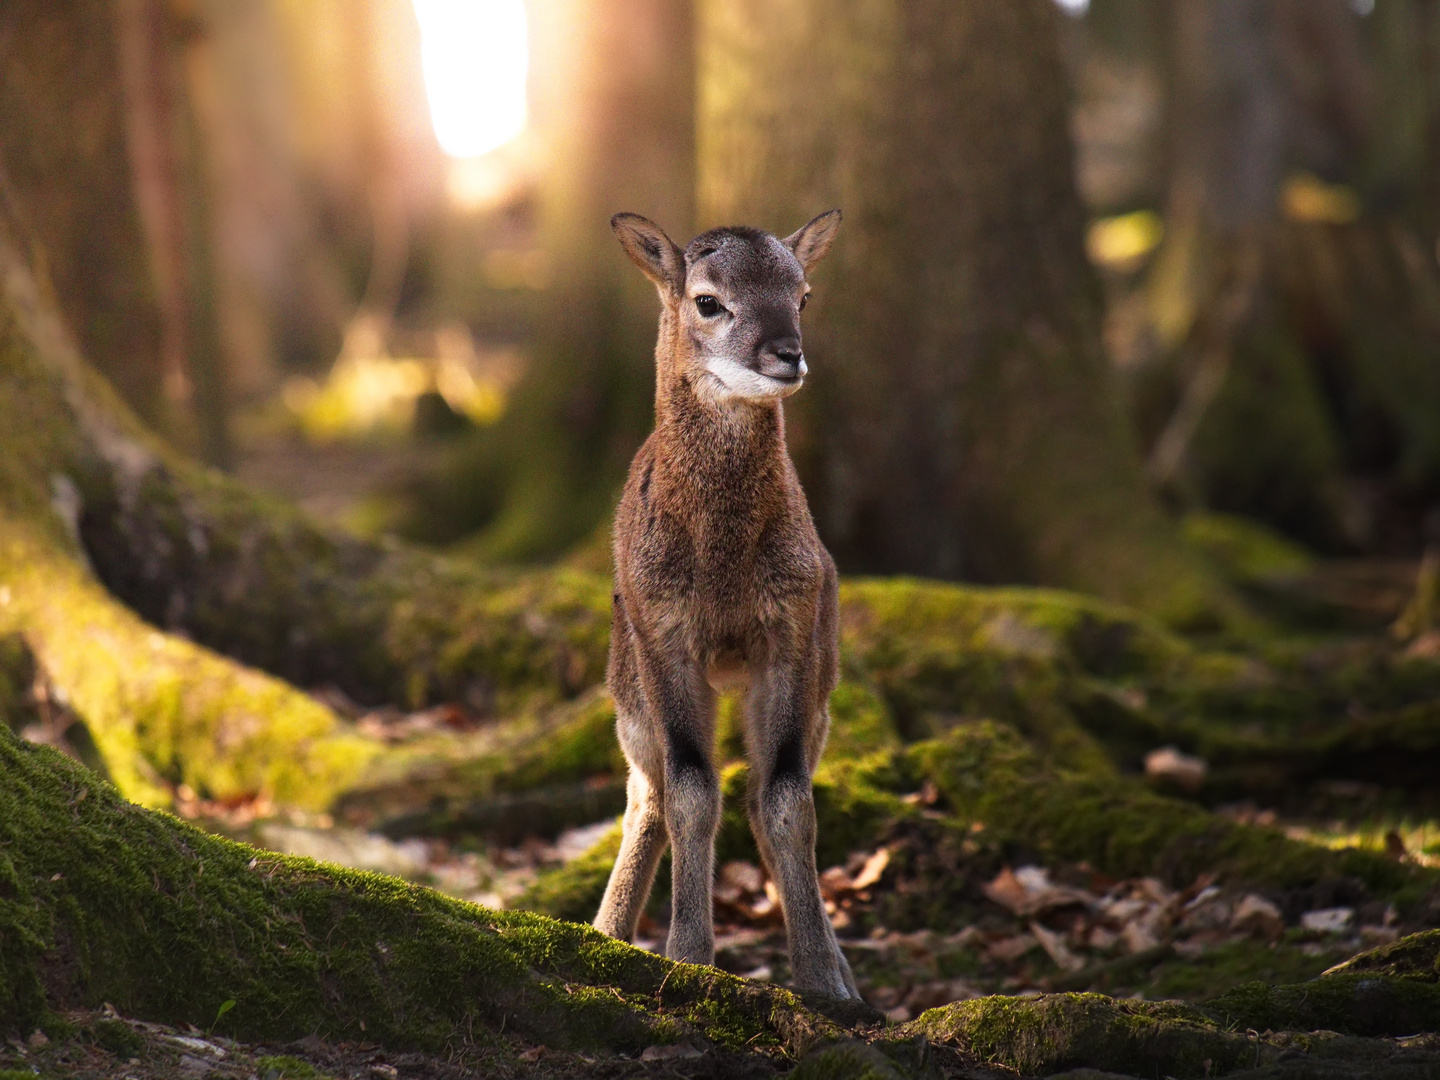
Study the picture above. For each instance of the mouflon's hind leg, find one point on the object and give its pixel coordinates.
(640, 849)
(782, 816)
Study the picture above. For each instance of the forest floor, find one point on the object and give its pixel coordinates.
(1014, 929)
(926, 916)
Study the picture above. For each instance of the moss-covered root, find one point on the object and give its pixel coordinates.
(1393, 990)
(1416, 956)
(162, 710)
(1038, 1036)
(1057, 1032)
(189, 550)
(989, 773)
(847, 1061)
(101, 900)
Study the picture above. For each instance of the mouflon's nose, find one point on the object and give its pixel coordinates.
(782, 358)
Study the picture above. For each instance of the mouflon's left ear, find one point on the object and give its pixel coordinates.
(812, 240)
(651, 250)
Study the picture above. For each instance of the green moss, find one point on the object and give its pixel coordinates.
(1414, 956)
(118, 1037)
(1246, 550)
(988, 773)
(547, 766)
(1266, 447)
(848, 1061)
(1065, 1031)
(1220, 967)
(162, 710)
(860, 721)
(101, 900)
(285, 1067)
(573, 891)
(936, 652)
(1352, 1004)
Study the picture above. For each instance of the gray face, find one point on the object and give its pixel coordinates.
(744, 290)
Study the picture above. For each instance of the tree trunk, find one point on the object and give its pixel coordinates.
(615, 84)
(66, 172)
(1292, 311)
(960, 421)
(99, 522)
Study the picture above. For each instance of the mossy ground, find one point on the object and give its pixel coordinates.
(132, 583)
(102, 901)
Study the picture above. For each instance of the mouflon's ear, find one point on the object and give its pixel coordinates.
(812, 240)
(651, 250)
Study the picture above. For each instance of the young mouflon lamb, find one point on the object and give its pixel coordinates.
(720, 578)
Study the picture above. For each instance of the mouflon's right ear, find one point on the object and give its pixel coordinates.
(655, 253)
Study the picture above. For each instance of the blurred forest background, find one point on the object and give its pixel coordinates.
(1136, 301)
(1139, 263)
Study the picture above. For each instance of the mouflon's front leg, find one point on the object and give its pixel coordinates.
(642, 844)
(685, 705)
(786, 724)
(644, 837)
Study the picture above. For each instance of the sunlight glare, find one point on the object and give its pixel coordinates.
(475, 55)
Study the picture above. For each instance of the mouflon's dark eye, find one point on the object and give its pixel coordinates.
(708, 306)
(804, 300)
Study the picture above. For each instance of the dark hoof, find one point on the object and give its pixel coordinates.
(847, 1012)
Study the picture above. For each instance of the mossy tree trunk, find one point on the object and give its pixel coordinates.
(1289, 356)
(615, 84)
(100, 525)
(961, 421)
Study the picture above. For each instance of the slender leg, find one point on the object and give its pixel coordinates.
(692, 814)
(782, 816)
(684, 705)
(640, 851)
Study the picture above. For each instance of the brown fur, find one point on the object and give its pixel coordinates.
(720, 576)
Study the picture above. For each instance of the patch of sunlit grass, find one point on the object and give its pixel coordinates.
(1420, 839)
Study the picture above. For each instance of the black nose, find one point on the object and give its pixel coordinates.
(786, 350)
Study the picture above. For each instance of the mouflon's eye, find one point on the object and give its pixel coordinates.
(804, 300)
(708, 306)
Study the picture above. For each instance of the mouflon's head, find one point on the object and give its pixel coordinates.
(737, 293)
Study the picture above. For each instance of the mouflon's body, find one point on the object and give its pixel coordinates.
(721, 579)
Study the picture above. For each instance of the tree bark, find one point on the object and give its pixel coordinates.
(1290, 349)
(961, 421)
(65, 169)
(101, 525)
(615, 86)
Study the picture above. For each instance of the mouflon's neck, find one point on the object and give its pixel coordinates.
(729, 445)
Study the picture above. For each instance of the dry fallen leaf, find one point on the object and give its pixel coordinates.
(872, 871)
(1007, 891)
(1258, 916)
(1028, 891)
(1012, 948)
(747, 877)
(1179, 768)
(1054, 944)
(1328, 920)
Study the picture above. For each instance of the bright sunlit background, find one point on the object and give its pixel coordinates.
(476, 56)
